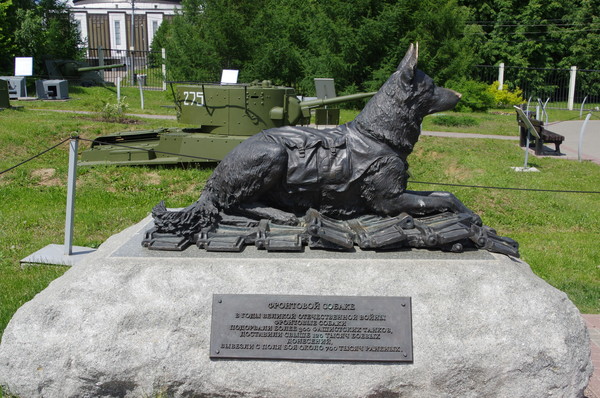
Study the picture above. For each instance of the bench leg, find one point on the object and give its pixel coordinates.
(539, 147)
(523, 136)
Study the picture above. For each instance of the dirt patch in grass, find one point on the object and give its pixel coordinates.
(119, 120)
(193, 190)
(152, 178)
(47, 177)
(457, 173)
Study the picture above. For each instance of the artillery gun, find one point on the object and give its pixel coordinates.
(223, 115)
(78, 72)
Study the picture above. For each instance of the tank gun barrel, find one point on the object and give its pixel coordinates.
(335, 100)
(101, 67)
(295, 110)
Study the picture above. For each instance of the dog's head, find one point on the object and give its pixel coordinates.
(395, 113)
(416, 86)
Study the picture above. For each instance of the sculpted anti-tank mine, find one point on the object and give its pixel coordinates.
(293, 186)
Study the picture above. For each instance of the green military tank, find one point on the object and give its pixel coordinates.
(222, 116)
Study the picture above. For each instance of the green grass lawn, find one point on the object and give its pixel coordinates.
(93, 99)
(495, 122)
(558, 232)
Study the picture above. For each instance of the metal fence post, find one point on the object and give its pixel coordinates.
(101, 61)
(582, 105)
(572, 79)
(164, 68)
(72, 177)
(65, 254)
(501, 76)
(580, 146)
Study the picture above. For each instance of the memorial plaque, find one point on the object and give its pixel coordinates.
(325, 328)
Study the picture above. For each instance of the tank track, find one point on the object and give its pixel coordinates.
(453, 232)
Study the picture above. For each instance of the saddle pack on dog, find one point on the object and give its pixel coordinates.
(332, 157)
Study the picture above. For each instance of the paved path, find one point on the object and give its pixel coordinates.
(571, 131)
(469, 135)
(569, 148)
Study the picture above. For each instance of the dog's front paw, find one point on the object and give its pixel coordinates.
(476, 220)
(290, 220)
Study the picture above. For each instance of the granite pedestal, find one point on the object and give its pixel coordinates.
(128, 322)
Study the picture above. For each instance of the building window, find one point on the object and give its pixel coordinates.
(118, 33)
(78, 26)
(154, 27)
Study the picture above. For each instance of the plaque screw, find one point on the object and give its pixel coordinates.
(404, 304)
(220, 301)
(403, 354)
(218, 352)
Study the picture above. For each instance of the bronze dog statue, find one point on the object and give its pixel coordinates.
(353, 170)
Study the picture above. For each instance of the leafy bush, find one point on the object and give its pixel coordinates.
(454, 121)
(506, 98)
(114, 112)
(475, 95)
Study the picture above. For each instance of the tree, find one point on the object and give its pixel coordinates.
(6, 45)
(36, 29)
(47, 31)
(584, 37)
(359, 43)
(208, 36)
(538, 33)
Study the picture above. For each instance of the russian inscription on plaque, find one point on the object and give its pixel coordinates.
(328, 328)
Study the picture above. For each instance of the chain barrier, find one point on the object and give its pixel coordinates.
(502, 188)
(36, 156)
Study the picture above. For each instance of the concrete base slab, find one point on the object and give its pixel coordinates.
(55, 255)
(525, 169)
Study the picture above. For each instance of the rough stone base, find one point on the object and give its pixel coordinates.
(131, 323)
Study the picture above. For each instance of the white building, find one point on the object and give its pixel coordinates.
(107, 23)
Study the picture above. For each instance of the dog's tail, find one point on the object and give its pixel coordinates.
(185, 222)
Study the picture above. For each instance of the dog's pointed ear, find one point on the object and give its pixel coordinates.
(408, 65)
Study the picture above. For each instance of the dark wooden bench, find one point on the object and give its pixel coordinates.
(538, 134)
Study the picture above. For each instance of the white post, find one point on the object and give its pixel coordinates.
(526, 152)
(119, 90)
(141, 93)
(501, 76)
(164, 68)
(571, 99)
(582, 105)
(580, 147)
(71, 178)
